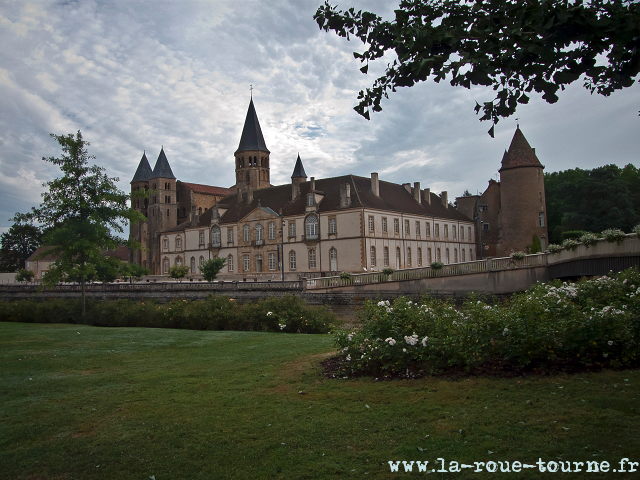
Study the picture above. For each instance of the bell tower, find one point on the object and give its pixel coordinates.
(252, 155)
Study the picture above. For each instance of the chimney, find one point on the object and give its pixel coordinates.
(345, 195)
(427, 195)
(313, 184)
(375, 184)
(445, 201)
(407, 187)
(249, 195)
(416, 192)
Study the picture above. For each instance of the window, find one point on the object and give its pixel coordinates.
(485, 226)
(215, 236)
(408, 257)
(247, 262)
(333, 259)
(272, 261)
(398, 264)
(453, 230)
(312, 258)
(419, 257)
(371, 224)
(230, 263)
(373, 256)
(469, 232)
(385, 252)
(384, 224)
(436, 229)
(258, 263)
(292, 260)
(446, 231)
(429, 256)
(438, 255)
(542, 219)
(165, 244)
(178, 261)
(470, 255)
(310, 200)
(428, 229)
(462, 254)
(258, 234)
(417, 228)
(461, 233)
(483, 208)
(292, 229)
(455, 255)
(229, 235)
(199, 210)
(446, 252)
(165, 265)
(178, 243)
(272, 231)
(201, 239)
(396, 225)
(247, 233)
(332, 226)
(193, 264)
(201, 260)
(311, 227)
(407, 230)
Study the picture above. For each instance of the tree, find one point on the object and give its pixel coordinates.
(24, 275)
(133, 271)
(108, 269)
(514, 46)
(179, 272)
(80, 212)
(211, 268)
(18, 244)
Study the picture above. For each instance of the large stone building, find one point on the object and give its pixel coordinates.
(511, 213)
(307, 228)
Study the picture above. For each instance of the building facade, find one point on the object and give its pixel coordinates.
(308, 228)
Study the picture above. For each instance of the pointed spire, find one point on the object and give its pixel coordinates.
(252, 138)
(520, 153)
(298, 170)
(162, 168)
(143, 173)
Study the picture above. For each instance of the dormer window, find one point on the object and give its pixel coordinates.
(310, 200)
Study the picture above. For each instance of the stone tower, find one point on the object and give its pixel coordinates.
(138, 230)
(162, 212)
(252, 155)
(297, 177)
(522, 200)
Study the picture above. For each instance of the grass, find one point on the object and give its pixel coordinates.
(80, 402)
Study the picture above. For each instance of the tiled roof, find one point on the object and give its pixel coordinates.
(162, 168)
(252, 138)
(39, 250)
(143, 173)
(393, 198)
(122, 252)
(208, 189)
(520, 153)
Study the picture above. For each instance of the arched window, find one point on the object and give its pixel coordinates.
(292, 260)
(438, 255)
(272, 231)
(165, 244)
(373, 256)
(462, 251)
(333, 259)
(178, 243)
(247, 233)
(193, 264)
(312, 258)
(201, 260)
(455, 255)
(311, 227)
(258, 233)
(408, 257)
(429, 256)
(398, 258)
(385, 252)
(446, 256)
(419, 257)
(178, 261)
(201, 238)
(215, 236)
(229, 235)
(165, 265)
(199, 210)
(230, 263)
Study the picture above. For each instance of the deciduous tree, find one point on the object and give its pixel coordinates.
(210, 268)
(18, 244)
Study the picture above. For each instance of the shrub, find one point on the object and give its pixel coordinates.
(570, 244)
(553, 248)
(179, 272)
(613, 235)
(437, 266)
(210, 268)
(518, 256)
(588, 239)
(346, 276)
(592, 323)
(536, 245)
(24, 275)
(388, 271)
(574, 234)
(636, 230)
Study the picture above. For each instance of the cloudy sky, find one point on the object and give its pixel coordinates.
(135, 75)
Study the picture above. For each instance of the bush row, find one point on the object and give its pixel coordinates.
(275, 314)
(592, 323)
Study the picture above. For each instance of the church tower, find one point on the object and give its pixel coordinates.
(522, 199)
(163, 211)
(138, 231)
(252, 155)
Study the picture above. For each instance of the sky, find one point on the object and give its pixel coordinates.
(138, 75)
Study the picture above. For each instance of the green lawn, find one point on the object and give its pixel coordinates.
(128, 403)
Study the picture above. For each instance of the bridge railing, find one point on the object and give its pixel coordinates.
(477, 266)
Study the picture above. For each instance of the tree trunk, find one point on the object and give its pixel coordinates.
(83, 295)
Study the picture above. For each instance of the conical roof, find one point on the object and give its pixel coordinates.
(143, 173)
(520, 153)
(162, 168)
(252, 138)
(298, 170)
